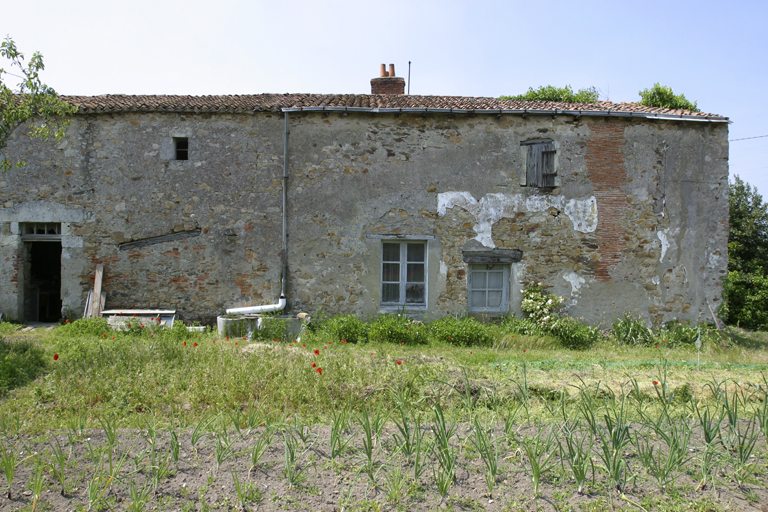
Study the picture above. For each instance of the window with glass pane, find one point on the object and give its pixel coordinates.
(403, 273)
(488, 287)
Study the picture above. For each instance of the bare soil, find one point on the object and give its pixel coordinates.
(200, 482)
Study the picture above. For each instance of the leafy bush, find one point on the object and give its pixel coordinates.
(746, 297)
(551, 93)
(463, 331)
(397, 329)
(524, 326)
(346, 327)
(631, 330)
(573, 334)
(84, 327)
(663, 96)
(20, 362)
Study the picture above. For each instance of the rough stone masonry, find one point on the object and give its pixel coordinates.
(393, 202)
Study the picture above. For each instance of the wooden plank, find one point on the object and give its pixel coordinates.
(102, 302)
(87, 309)
(96, 298)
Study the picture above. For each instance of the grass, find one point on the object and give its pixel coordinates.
(610, 399)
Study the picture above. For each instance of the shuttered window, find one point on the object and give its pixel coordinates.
(540, 161)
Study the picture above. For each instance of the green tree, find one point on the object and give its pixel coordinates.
(32, 100)
(663, 96)
(561, 94)
(745, 288)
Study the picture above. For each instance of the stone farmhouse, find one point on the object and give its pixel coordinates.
(367, 204)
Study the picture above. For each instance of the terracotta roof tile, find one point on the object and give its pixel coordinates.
(278, 102)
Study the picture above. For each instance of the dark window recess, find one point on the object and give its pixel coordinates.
(182, 148)
(541, 163)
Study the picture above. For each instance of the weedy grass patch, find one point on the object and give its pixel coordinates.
(122, 416)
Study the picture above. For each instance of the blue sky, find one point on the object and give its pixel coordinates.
(713, 52)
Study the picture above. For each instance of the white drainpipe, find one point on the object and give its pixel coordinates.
(258, 309)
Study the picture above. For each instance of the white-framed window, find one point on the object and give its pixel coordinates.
(488, 288)
(540, 168)
(403, 273)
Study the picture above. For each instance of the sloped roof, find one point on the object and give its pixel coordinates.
(367, 102)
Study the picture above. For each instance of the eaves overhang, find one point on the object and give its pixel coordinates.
(524, 112)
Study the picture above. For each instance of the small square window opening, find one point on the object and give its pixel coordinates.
(181, 148)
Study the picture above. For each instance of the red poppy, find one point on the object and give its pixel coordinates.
(343, 341)
(113, 337)
(243, 338)
(214, 342)
(523, 351)
(303, 344)
(185, 344)
(194, 345)
(470, 352)
(128, 325)
(403, 343)
(227, 338)
(655, 346)
(325, 348)
(371, 353)
(134, 314)
(320, 371)
(142, 326)
(235, 343)
(317, 352)
(655, 383)
(314, 365)
(55, 357)
(103, 335)
(152, 336)
(66, 321)
(330, 343)
(399, 362)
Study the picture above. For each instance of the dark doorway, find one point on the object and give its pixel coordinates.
(43, 302)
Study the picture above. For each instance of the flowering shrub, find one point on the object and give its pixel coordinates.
(540, 306)
(397, 329)
(462, 331)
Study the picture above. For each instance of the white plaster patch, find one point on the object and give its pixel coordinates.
(493, 207)
(715, 260)
(583, 214)
(443, 269)
(655, 280)
(576, 281)
(662, 234)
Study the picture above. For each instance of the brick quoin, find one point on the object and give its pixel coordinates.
(605, 165)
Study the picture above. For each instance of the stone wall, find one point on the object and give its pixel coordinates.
(638, 223)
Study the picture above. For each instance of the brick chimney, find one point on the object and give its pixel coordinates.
(387, 83)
